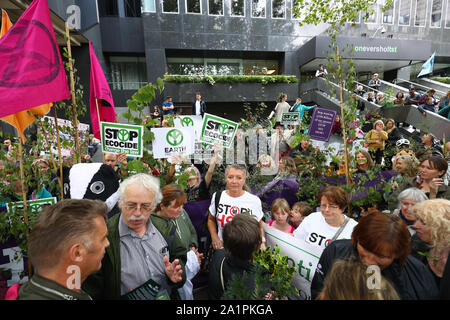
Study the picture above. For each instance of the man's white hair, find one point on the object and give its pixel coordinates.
(145, 180)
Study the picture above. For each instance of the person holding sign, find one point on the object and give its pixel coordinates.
(136, 266)
(322, 228)
(234, 200)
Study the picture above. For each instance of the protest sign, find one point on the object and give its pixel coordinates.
(122, 138)
(10, 253)
(217, 129)
(321, 124)
(67, 138)
(189, 121)
(300, 254)
(36, 205)
(172, 141)
(290, 118)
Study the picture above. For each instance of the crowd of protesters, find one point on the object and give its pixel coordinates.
(151, 243)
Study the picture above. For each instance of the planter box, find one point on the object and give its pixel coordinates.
(184, 93)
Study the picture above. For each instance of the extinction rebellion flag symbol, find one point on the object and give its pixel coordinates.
(216, 129)
(122, 138)
(172, 141)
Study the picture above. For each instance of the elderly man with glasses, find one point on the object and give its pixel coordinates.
(137, 263)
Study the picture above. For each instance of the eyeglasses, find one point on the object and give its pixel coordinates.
(331, 207)
(143, 207)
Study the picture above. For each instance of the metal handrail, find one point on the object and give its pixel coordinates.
(415, 84)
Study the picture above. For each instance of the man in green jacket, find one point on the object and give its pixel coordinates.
(137, 265)
(66, 245)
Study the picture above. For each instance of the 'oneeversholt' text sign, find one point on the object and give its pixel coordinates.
(122, 138)
(218, 130)
(321, 124)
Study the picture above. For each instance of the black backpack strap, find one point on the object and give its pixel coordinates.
(217, 199)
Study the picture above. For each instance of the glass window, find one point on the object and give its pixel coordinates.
(215, 7)
(258, 8)
(127, 73)
(371, 17)
(436, 13)
(221, 66)
(447, 16)
(194, 6)
(237, 8)
(132, 8)
(278, 9)
(388, 15)
(404, 13)
(170, 6)
(421, 13)
(107, 8)
(260, 67)
(148, 6)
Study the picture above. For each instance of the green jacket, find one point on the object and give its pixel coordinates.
(105, 284)
(184, 236)
(40, 288)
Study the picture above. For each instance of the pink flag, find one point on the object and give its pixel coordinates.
(99, 92)
(31, 70)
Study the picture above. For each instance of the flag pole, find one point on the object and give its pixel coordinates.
(59, 155)
(74, 102)
(24, 198)
(98, 116)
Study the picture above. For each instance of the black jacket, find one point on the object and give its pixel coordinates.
(412, 281)
(202, 107)
(231, 266)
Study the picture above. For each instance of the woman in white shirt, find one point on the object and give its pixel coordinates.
(234, 200)
(321, 228)
(281, 107)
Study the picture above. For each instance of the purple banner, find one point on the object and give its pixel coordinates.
(321, 124)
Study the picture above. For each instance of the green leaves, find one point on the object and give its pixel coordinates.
(212, 79)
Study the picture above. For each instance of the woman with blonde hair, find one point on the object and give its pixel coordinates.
(375, 139)
(287, 169)
(433, 227)
(352, 280)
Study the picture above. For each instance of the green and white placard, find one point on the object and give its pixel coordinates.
(122, 138)
(172, 141)
(290, 118)
(218, 130)
(35, 205)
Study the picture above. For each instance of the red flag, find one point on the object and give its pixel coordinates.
(99, 92)
(22, 119)
(31, 70)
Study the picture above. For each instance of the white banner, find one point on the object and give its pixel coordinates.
(172, 141)
(300, 254)
(64, 127)
(190, 121)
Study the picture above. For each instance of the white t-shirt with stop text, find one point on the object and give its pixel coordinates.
(316, 231)
(230, 206)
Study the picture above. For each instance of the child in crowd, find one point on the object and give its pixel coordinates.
(299, 211)
(280, 214)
